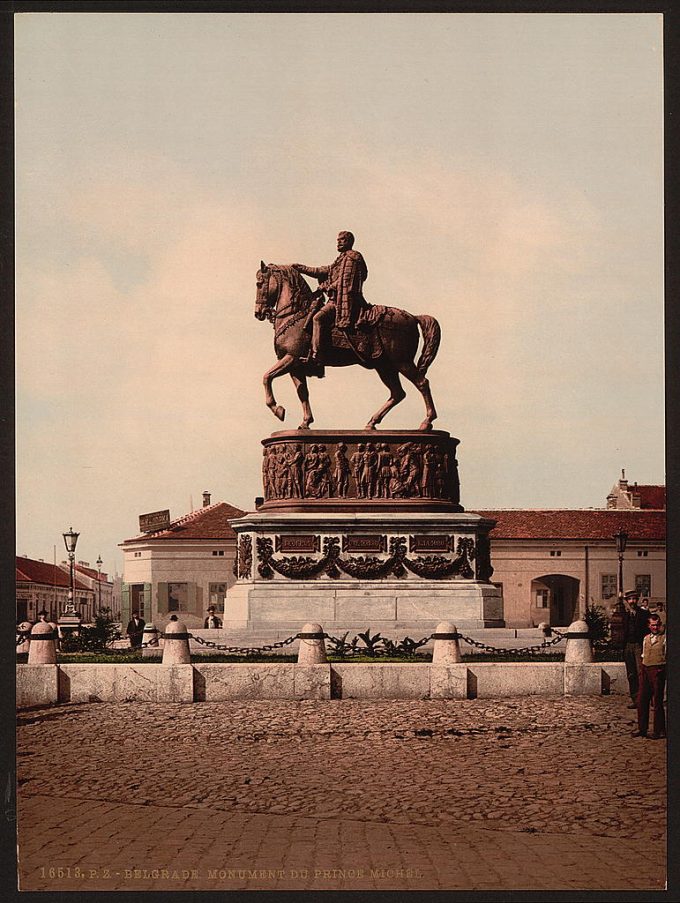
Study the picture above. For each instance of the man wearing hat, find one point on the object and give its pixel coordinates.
(636, 627)
(135, 630)
(652, 681)
(212, 622)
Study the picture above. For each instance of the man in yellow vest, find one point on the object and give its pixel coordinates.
(652, 681)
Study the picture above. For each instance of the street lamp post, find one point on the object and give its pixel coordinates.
(99, 581)
(616, 621)
(70, 620)
(621, 538)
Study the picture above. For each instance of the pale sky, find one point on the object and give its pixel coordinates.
(502, 172)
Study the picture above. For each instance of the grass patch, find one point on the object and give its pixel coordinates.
(136, 658)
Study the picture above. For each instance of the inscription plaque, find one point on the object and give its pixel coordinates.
(299, 543)
(424, 543)
(357, 542)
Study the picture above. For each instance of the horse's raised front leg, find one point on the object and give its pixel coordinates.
(280, 367)
(391, 379)
(303, 394)
(411, 372)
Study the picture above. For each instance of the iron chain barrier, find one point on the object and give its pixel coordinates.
(343, 649)
(523, 650)
(244, 650)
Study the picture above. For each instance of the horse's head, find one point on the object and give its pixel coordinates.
(265, 299)
(281, 291)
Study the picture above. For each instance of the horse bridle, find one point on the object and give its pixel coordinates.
(271, 313)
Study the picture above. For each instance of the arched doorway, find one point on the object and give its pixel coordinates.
(558, 594)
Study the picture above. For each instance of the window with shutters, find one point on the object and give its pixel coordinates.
(178, 597)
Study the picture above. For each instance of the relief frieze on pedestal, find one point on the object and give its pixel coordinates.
(334, 564)
(244, 559)
(398, 467)
(483, 556)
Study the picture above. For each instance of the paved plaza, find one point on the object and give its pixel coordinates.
(526, 793)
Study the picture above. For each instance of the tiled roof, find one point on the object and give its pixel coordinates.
(584, 524)
(650, 496)
(204, 523)
(30, 571)
(91, 573)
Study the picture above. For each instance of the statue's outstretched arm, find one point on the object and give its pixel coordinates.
(319, 273)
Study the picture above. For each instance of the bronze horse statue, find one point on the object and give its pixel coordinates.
(286, 300)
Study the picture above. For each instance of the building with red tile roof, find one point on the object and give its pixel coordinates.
(184, 566)
(626, 496)
(40, 585)
(551, 563)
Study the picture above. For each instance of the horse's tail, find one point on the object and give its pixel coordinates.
(432, 334)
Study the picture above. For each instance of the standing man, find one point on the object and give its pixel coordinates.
(212, 622)
(135, 630)
(636, 627)
(342, 281)
(652, 681)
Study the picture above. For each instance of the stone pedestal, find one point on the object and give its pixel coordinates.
(69, 623)
(362, 529)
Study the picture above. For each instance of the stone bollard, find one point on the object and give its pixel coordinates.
(24, 631)
(312, 649)
(176, 643)
(446, 645)
(579, 649)
(150, 636)
(43, 646)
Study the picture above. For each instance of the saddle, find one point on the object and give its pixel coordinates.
(364, 340)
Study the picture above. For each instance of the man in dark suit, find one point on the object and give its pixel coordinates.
(212, 622)
(636, 627)
(135, 630)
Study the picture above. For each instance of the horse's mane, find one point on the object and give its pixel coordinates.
(300, 290)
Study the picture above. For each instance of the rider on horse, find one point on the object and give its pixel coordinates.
(342, 280)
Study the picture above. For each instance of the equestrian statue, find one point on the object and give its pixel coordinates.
(335, 326)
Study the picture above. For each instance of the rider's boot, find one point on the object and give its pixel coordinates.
(314, 356)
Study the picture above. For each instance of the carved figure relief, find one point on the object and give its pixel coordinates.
(294, 462)
(375, 470)
(357, 461)
(384, 471)
(324, 472)
(427, 485)
(341, 471)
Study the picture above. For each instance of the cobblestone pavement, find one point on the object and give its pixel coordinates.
(524, 793)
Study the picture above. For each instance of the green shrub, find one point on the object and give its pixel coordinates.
(97, 638)
(598, 625)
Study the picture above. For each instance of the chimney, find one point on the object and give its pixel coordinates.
(206, 499)
(623, 482)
